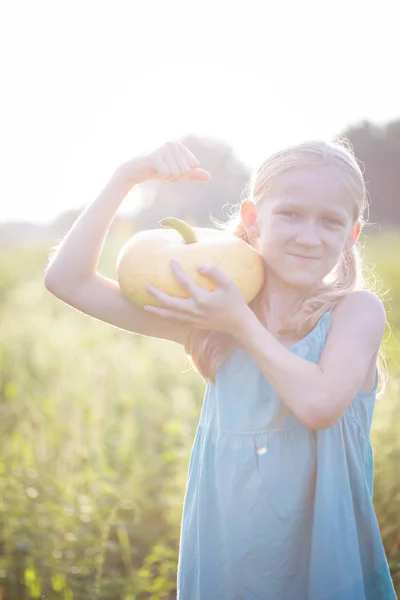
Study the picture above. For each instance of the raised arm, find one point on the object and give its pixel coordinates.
(72, 275)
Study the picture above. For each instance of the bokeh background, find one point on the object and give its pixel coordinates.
(96, 424)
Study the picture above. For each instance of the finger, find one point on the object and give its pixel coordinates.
(183, 305)
(185, 281)
(200, 175)
(160, 167)
(189, 156)
(167, 300)
(184, 168)
(172, 166)
(216, 274)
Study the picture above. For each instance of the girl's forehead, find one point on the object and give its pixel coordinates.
(317, 187)
(307, 183)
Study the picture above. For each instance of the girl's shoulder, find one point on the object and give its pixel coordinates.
(361, 305)
(357, 325)
(358, 320)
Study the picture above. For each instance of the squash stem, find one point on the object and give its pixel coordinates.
(187, 232)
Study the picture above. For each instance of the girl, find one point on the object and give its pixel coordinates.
(278, 503)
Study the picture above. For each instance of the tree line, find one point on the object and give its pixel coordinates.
(377, 149)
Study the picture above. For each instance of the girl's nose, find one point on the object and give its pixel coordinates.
(307, 235)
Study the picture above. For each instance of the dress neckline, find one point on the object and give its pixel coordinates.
(307, 338)
(310, 335)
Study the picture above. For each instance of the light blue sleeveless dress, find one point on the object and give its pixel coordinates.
(273, 510)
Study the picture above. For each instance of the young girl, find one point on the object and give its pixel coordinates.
(278, 503)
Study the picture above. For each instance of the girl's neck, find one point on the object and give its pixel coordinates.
(277, 301)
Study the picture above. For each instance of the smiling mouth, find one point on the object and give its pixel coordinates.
(305, 257)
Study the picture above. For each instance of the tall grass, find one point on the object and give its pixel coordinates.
(96, 427)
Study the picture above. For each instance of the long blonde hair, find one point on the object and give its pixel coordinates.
(207, 350)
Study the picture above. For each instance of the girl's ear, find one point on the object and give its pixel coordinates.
(248, 214)
(354, 235)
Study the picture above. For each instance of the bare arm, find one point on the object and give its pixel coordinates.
(102, 299)
(76, 258)
(71, 274)
(319, 394)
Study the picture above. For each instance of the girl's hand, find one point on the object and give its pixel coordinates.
(171, 162)
(223, 309)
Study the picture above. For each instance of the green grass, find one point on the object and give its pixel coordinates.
(95, 433)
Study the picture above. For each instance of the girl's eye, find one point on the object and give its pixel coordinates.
(332, 221)
(291, 214)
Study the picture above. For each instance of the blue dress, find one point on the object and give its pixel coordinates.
(274, 510)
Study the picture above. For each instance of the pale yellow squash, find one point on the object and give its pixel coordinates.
(145, 259)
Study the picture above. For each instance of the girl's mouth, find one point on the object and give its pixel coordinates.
(304, 258)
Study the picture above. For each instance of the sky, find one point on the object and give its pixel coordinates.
(88, 84)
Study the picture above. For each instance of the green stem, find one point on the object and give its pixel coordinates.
(187, 232)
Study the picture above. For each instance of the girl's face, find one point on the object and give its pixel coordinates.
(302, 226)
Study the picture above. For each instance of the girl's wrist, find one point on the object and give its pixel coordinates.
(247, 328)
(122, 179)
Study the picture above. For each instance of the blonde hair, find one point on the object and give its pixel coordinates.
(207, 350)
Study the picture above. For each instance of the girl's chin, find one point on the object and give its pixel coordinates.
(301, 280)
(295, 277)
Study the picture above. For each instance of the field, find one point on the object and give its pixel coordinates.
(96, 427)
